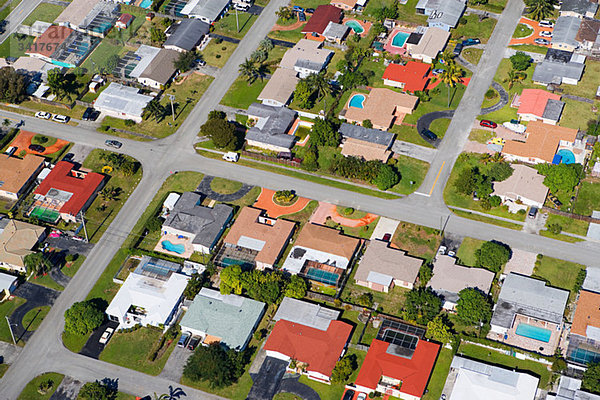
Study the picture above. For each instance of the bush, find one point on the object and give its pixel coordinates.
(153, 224)
(463, 21)
(348, 211)
(491, 94)
(83, 317)
(284, 196)
(45, 386)
(492, 255)
(71, 257)
(555, 229)
(129, 122)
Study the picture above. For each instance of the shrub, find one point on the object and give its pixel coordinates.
(491, 94)
(348, 211)
(284, 196)
(129, 122)
(555, 229)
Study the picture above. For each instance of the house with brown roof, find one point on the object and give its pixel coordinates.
(256, 234)
(17, 174)
(382, 267)
(525, 187)
(366, 143)
(383, 107)
(306, 57)
(279, 88)
(159, 70)
(346, 5)
(584, 338)
(450, 278)
(587, 35)
(16, 241)
(321, 254)
(93, 17)
(540, 144)
(432, 43)
(323, 15)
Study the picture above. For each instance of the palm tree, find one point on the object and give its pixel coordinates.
(540, 9)
(319, 83)
(36, 263)
(174, 394)
(154, 109)
(249, 70)
(451, 76)
(284, 13)
(514, 77)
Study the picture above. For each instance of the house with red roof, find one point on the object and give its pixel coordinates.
(397, 364)
(65, 192)
(323, 15)
(411, 77)
(538, 105)
(124, 21)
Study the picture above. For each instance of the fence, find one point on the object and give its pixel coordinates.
(571, 215)
(263, 157)
(53, 103)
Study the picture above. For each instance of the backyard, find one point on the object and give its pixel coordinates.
(45, 12)
(439, 375)
(588, 197)
(390, 303)
(228, 25)
(217, 52)
(474, 28)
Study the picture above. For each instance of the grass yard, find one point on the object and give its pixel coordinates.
(30, 392)
(570, 225)
(412, 174)
(588, 198)
(303, 215)
(217, 54)
(15, 45)
(131, 350)
(440, 126)
(101, 54)
(225, 186)
(481, 135)
(472, 55)
(71, 270)
(439, 375)
(139, 17)
(406, 12)
(474, 28)
(558, 273)
(241, 94)
(466, 251)
(496, 6)
(416, 240)
(588, 84)
(409, 134)
(74, 342)
(560, 236)
(44, 12)
(289, 36)
(438, 102)
(46, 281)
(576, 114)
(7, 307)
(227, 26)
(487, 220)
(390, 303)
(33, 318)
(522, 31)
(6, 12)
(530, 47)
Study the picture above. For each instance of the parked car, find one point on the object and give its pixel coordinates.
(183, 340)
(387, 237)
(301, 17)
(310, 11)
(63, 119)
(470, 42)
(452, 253)
(547, 34)
(106, 335)
(242, 7)
(37, 148)
(429, 135)
(541, 41)
(349, 395)
(200, 62)
(298, 9)
(43, 115)
(87, 114)
(113, 143)
(361, 396)
(545, 24)
(442, 250)
(78, 238)
(193, 343)
(532, 212)
(488, 124)
(554, 200)
(437, 71)
(55, 234)
(231, 156)
(457, 49)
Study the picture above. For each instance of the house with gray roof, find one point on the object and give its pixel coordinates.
(442, 14)
(559, 66)
(227, 319)
(201, 225)
(271, 126)
(124, 102)
(305, 313)
(206, 10)
(335, 32)
(565, 33)
(367, 143)
(578, 8)
(570, 389)
(186, 35)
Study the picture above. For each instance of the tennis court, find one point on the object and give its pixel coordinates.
(44, 214)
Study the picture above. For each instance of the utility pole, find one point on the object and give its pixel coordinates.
(10, 329)
(237, 21)
(172, 97)
(84, 228)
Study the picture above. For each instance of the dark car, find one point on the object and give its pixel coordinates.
(457, 49)
(193, 343)
(532, 212)
(349, 395)
(387, 237)
(310, 10)
(429, 135)
(554, 200)
(301, 17)
(541, 41)
(470, 42)
(488, 124)
(298, 9)
(37, 148)
(87, 114)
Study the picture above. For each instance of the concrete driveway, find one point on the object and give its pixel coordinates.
(173, 369)
(413, 150)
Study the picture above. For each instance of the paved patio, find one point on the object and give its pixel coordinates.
(189, 248)
(330, 210)
(265, 202)
(522, 262)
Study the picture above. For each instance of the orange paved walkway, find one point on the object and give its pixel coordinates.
(23, 140)
(291, 27)
(265, 202)
(535, 35)
(330, 210)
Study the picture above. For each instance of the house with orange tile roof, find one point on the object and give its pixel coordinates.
(263, 237)
(540, 144)
(539, 105)
(411, 77)
(383, 107)
(17, 174)
(584, 338)
(346, 5)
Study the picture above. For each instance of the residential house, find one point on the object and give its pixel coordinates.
(346, 5)
(529, 314)
(153, 66)
(539, 105)
(383, 107)
(570, 389)
(450, 278)
(443, 14)
(16, 241)
(584, 337)
(524, 188)
(150, 295)
(270, 129)
(199, 227)
(323, 15)
(542, 141)
(558, 67)
(17, 174)
(62, 46)
(8, 283)
(33, 68)
(315, 347)
(335, 32)
(321, 254)
(93, 17)
(578, 8)
(431, 44)
(565, 33)
(186, 35)
(411, 77)
(306, 57)
(587, 35)
(279, 88)
(206, 10)
(123, 102)
(399, 362)
(366, 143)
(124, 21)
(382, 267)
(65, 193)
(470, 379)
(257, 236)
(305, 313)
(226, 319)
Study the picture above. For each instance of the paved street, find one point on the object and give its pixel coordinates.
(17, 15)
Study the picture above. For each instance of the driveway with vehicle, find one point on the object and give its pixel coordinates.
(93, 347)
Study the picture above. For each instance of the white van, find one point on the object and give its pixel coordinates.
(231, 156)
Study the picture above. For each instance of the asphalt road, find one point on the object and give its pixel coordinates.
(17, 15)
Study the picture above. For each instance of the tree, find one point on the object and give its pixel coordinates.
(561, 177)
(231, 280)
(128, 168)
(425, 274)
(324, 133)
(13, 86)
(473, 307)
(157, 36)
(296, 287)
(365, 299)
(344, 368)
(37, 263)
(212, 364)
(57, 84)
(249, 70)
(467, 180)
(97, 391)
(216, 114)
(303, 94)
(367, 123)
(154, 110)
(319, 83)
(422, 305)
(492, 255)
(266, 44)
(500, 171)
(591, 378)
(153, 224)
(285, 13)
(83, 317)
(310, 161)
(520, 61)
(387, 177)
(222, 133)
(514, 77)
(540, 9)
(194, 285)
(438, 330)
(451, 76)
(185, 61)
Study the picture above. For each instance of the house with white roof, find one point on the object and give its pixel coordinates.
(8, 283)
(570, 389)
(124, 102)
(206, 10)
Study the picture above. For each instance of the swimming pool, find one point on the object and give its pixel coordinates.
(534, 332)
(567, 156)
(357, 101)
(355, 25)
(175, 248)
(146, 3)
(400, 39)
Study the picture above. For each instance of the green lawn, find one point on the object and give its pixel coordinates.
(496, 6)
(241, 94)
(439, 375)
(570, 225)
(522, 31)
(6, 309)
(225, 186)
(481, 135)
(390, 303)
(588, 198)
(472, 55)
(588, 84)
(474, 28)
(101, 53)
(412, 173)
(466, 251)
(530, 47)
(71, 270)
(47, 281)
(576, 114)
(416, 240)
(217, 54)
(74, 342)
(131, 350)
(30, 392)
(440, 126)
(34, 317)
(290, 36)
(558, 273)
(560, 236)
(406, 12)
(409, 134)
(6, 12)
(44, 12)
(228, 26)
(15, 46)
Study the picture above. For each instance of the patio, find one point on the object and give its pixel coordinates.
(526, 343)
(175, 242)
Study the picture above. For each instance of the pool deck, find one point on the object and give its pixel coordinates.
(545, 348)
(189, 248)
(365, 25)
(393, 49)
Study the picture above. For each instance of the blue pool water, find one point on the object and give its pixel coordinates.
(356, 27)
(534, 332)
(146, 3)
(584, 356)
(400, 39)
(567, 156)
(357, 101)
(176, 248)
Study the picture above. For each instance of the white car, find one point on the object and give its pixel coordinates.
(43, 115)
(546, 24)
(231, 156)
(361, 396)
(106, 335)
(63, 119)
(546, 34)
